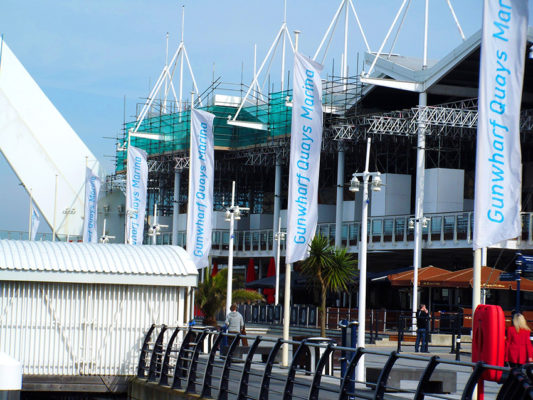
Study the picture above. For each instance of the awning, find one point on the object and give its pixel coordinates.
(383, 275)
(406, 278)
(490, 279)
(297, 281)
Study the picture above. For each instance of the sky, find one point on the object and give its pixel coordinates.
(96, 59)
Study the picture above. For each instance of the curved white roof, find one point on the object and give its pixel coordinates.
(95, 263)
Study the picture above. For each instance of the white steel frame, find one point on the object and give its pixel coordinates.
(282, 36)
(346, 5)
(404, 8)
(167, 77)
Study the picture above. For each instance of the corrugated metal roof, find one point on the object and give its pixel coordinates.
(95, 263)
(409, 69)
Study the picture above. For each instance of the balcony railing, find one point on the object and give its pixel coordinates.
(444, 230)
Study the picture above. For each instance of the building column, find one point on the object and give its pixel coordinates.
(340, 196)
(176, 211)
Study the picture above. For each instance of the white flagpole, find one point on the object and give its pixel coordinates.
(126, 214)
(55, 212)
(31, 212)
(288, 266)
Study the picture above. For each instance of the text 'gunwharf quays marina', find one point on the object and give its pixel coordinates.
(200, 195)
(306, 142)
(136, 194)
(201, 187)
(498, 165)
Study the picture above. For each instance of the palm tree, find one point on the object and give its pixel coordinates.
(211, 295)
(332, 269)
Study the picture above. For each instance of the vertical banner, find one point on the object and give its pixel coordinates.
(92, 190)
(136, 189)
(201, 179)
(306, 142)
(35, 220)
(498, 161)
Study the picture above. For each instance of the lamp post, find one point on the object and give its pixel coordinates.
(68, 211)
(232, 213)
(155, 229)
(354, 187)
(279, 236)
(417, 224)
(105, 238)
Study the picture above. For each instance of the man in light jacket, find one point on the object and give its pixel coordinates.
(234, 320)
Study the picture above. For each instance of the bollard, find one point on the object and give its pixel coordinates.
(224, 341)
(458, 348)
(452, 350)
(373, 329)
(10, 377)
(353, 325)
(344, 343)
(400, 334)
(371, 339)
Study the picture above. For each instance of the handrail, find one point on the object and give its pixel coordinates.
(444, 230)
(517, 382)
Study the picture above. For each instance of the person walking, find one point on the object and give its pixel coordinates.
(518, 348)
(422, 322)
(235, 321)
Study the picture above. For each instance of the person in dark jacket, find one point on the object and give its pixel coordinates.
(422, 324)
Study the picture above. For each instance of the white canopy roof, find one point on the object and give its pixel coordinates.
(96, 263)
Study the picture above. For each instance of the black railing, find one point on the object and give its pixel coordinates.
(202, 365)
(451, 323)
(307, 316)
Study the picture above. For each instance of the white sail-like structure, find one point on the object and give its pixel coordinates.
(41, 147)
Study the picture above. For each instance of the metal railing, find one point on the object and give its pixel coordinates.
(20, 235)
(308, 316)
(445, 230)
(215, 365)
(449, 323)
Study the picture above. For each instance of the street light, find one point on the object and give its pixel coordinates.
(279, 236)
(424, 220)
(105, 238)
(155, 228)
(232, 213)
(354, 187)
(68, 211)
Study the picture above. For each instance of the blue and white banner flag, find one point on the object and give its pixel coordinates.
(201, 179)
(92, 191)
(306, 142)
(498, 163)
(136, 189)
(35, 220)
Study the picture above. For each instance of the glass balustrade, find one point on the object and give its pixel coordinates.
(385, 232)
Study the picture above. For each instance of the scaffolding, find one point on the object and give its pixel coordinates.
(246, 151)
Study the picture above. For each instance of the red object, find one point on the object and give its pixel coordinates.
(250, 271)
(271, 271)
(214, 271)
(198, 312)
(488, 341)
(518, 347)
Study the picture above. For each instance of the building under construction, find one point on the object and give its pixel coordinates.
(433, 121)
